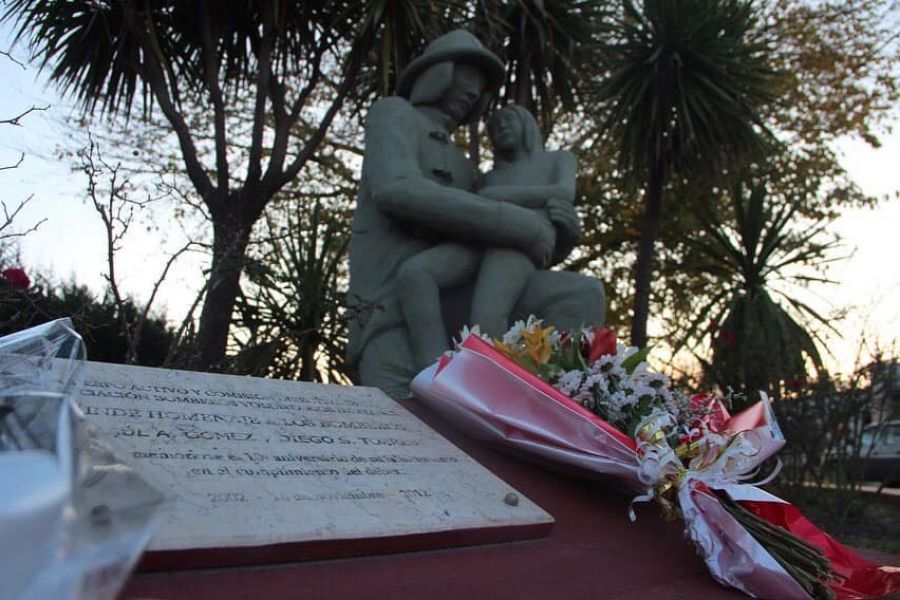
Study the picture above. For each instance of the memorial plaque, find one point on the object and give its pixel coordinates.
(262, 470)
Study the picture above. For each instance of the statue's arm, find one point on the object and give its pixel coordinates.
(561, 187)
(527, 196)
(562, 208)
(401, 191)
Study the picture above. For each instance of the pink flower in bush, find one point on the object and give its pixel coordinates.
(16, 278)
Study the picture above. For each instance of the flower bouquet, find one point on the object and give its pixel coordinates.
(584, 403)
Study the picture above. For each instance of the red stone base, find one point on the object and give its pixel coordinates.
(593, 551)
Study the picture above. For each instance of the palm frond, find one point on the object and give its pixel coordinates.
(686, 80)
(761, 343)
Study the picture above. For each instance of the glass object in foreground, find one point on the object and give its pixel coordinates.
(73, 518)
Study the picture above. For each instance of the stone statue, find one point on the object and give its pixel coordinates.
(523, 174)
(434, 245)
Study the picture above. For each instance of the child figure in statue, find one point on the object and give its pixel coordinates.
(523, 174)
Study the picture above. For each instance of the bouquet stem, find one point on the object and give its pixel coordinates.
(803, 561)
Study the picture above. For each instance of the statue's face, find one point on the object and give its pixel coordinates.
(505, 129)
(466, 87)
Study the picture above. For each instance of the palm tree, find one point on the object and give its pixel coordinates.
(399, 30)
(685, 82)
(188, 59)
(757, 343)
(288, 322)
(546, 45)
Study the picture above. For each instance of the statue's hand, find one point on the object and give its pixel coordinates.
(564, 217)
(543, 242)
(544, 245)
(528, 231)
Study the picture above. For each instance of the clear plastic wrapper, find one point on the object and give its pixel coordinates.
(74, 518)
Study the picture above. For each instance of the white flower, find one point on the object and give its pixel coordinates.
(641, 370)
(676, 403)
(588, 335)
(657, 380)
(532, 321)
(601, 384)
(624, 353)
(465, 332)
(617, 372)
(641, 390)
(554, 338)
(513, 337)
(665, 395)
(605, 363)
(584, 396)
(569, 382)
(621, 399)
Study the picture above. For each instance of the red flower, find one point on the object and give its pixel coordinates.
(16, 278)
(602, 344)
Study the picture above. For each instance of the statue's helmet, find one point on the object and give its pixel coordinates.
(455, 47)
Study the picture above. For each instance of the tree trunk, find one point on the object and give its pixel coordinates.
(522, 95)
(646, 259)
(230, 239)
(308, 371)
(474, 143)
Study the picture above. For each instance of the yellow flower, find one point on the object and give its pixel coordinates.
(516, 352)
(537, 343)
(505, 348)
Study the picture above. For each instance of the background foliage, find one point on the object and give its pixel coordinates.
(840, 62)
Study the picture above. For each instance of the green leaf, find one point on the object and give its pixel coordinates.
(631, 363)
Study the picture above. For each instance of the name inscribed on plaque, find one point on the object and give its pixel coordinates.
(250, 461)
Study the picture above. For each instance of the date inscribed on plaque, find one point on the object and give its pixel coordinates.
(251, 462)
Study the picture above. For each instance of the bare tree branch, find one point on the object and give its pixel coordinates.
(11, 58)
(345, 147)
(116, 210)
(187, 197)
(156, 285)
(116, 224)
(154, 73)
(211, 72)
(8, 218)
(313, 141)
(162, 276)
(185, 324)
(16, 165)
(263, 85)
(15, 120)
(285, 121)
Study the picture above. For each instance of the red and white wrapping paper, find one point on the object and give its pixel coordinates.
(494, 399)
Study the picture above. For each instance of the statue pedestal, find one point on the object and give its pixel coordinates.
(592, 551)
